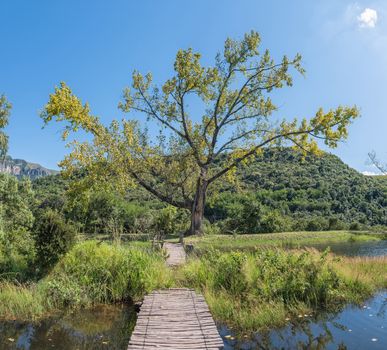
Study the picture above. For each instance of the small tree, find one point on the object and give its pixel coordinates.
(181, 162)
(53, 237)
(5, 108)
(377, 163)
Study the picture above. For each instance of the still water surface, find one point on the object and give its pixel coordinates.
(370, 248)
(103, 327)
(360, 328)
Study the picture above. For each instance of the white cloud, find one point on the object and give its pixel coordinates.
(369, 173)
(368, 18)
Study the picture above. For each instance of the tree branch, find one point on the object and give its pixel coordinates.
(153, 112)
(179, 204)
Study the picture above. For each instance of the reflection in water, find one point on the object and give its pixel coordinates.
(370, 248)
(103, 327)
(354, 328)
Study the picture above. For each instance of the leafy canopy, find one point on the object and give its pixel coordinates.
(236, 121)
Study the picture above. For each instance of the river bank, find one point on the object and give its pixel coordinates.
(246, 290)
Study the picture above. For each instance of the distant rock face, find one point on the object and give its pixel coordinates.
(21, 168)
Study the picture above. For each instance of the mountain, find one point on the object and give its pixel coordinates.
(21, 168)
(299, 188)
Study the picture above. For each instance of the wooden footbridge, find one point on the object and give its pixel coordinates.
(177, 319)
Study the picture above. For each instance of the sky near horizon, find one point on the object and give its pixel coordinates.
(94, 45)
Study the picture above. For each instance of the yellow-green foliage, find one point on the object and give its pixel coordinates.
(98, 272)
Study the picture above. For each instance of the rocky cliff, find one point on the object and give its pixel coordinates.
(21, 168)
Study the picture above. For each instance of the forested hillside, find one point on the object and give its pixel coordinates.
(275, 192)
(311, 191)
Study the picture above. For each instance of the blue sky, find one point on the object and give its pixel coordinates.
(94, 45)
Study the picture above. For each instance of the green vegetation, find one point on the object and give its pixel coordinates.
(53, 238)
(281, 191)
(21, 302)
(314, 194)
(251, 291)
(246, 290)
(280, 240)
(102, 273)
(89, 274)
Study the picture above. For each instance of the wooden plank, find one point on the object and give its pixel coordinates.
(176, 254)
(176, 319)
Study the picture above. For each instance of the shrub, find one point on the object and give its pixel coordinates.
(95, 272)
(253, 289)
(336, 224)
(355, 226)
(17, 253)
(273, 221)
(169, 221)
(229, 273)
(211, 228)
(317, 224)
(53, 238)
(271, 275)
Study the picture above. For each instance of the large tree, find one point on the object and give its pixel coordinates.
(197, 117)
(5, 108)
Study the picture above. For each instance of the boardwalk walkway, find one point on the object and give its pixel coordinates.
(177, 319)
(176, 254)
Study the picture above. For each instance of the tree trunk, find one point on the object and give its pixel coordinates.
(197, 211)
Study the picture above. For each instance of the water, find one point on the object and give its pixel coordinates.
(370, 248)
(103, 327)
(354, 328)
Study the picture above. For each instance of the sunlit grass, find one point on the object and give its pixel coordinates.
(283, 239)
(90, 273)
(21, 302)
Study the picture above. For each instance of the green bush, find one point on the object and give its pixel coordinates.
(53, 238)
(231, 278)
(17, 253)
(95, 272)
(317, 224)
(273, 221)
(271, 275)
(211, 228)
(336, 224)
(355, 226)
(170, 220)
